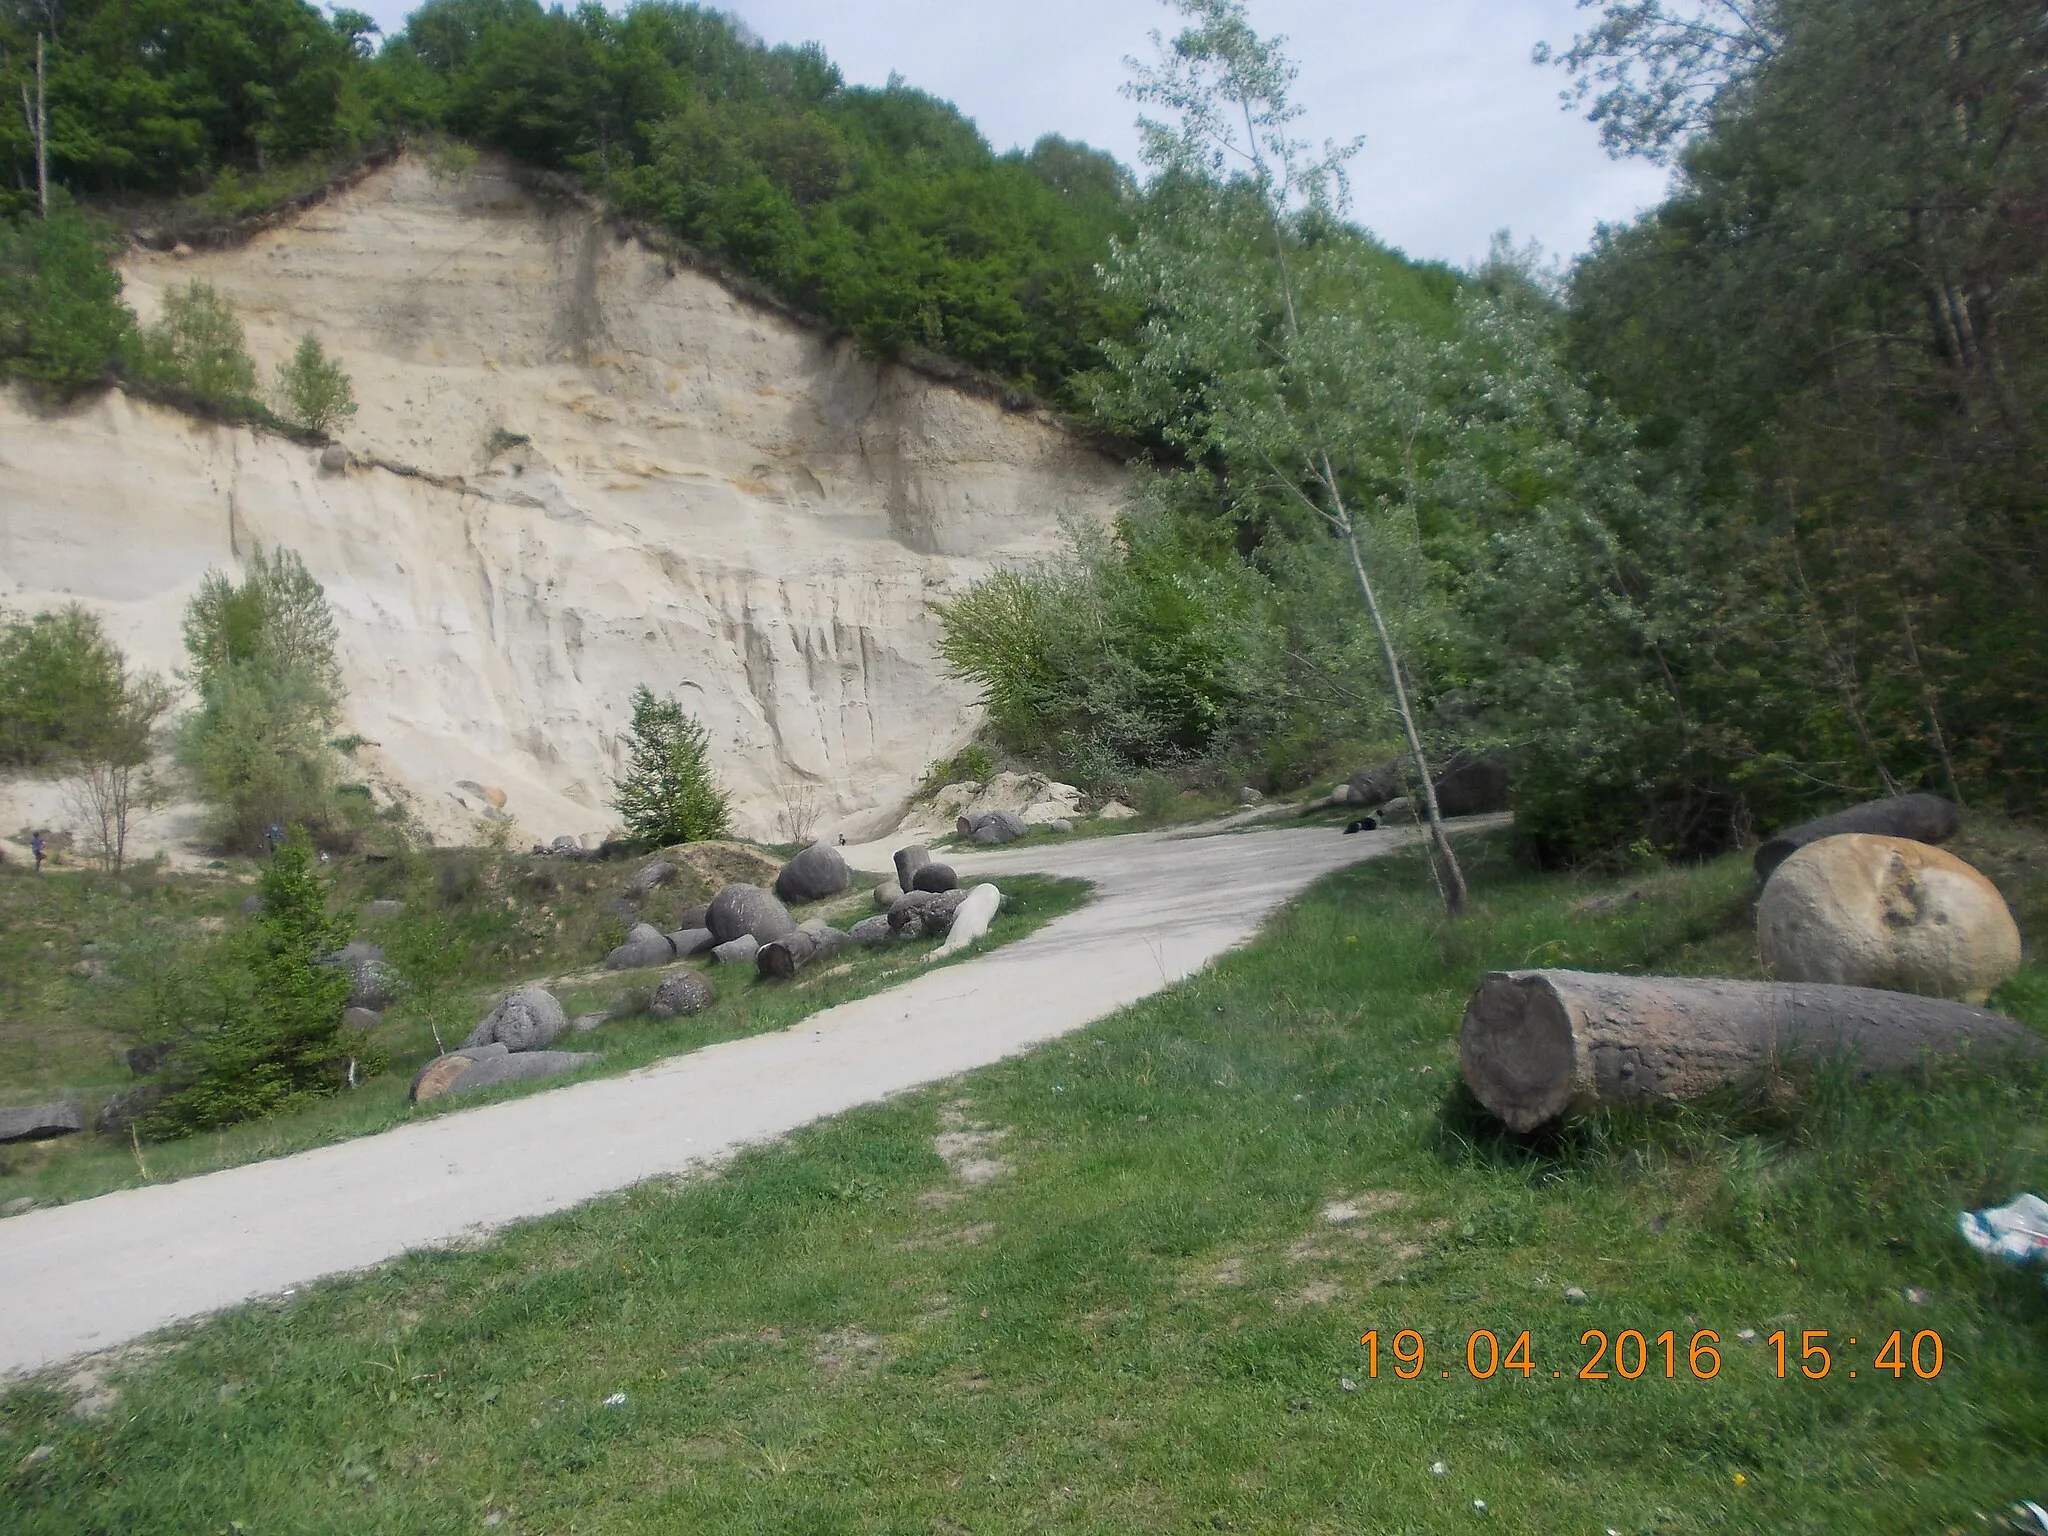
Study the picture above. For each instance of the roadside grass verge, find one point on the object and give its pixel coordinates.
(473, 926)
(1120, 1284)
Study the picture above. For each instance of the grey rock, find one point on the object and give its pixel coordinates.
(17, 1205)
(691, 941)
(493, 1070)
(1919, 818)
(887, 894)
(383, 908)
(1575, 1296)
(787, 956)
(360, 1018)
(645, 945)
(650, 876)
(737, 951)
(923, 913)
(372, 983)
(819, 871)
(934, 877)
(333, 459)
(908, 862)
(1376, 786)
(34, 1122)
(748, 909)
(1061, 826)
(992, 828)
(682, 993)
(872, 930)
(526, 1020)
(120, 1110)
(1250, 796)
(565, 845)
(695, 917)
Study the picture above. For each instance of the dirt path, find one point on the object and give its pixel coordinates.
(86, 1277)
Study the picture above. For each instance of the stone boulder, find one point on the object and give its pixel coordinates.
(738, 951)
(887, 894)
(527, 1020)
(694, 917)
(466, 1071)
(1865, 911)
(935, 877)
(908, 862)
(690, 942)
(1375, 786)
(1116, 810)
(372, 983)
(992, 828)
(971, 919)
(1249, 796)
(1471, 784)
(747, 909)
(1923, 818)
(333, 459)
(1062, 826)
(1032, 797)
(645, 945)
(922, 913)
(36, 1122)
(872, 930)
(652, 876)
(360, 1018)
(819, 871)
(682, 993)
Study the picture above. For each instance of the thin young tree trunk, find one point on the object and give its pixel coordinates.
(42, 132)
(1933, 703)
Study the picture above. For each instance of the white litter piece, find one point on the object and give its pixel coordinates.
(2017, 1233)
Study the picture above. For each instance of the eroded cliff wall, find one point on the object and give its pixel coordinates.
(576, 468)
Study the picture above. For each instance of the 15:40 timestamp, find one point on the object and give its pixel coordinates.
(1631, 1354)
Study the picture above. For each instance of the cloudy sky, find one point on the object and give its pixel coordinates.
(1464, 136)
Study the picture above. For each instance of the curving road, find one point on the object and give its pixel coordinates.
(85, 1277)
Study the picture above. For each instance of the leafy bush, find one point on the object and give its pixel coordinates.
(197, 348)
(60, 679)
(315, 392)
(258, 1021)
(269, 685)
(972, 764)
(669, 794)
(62, 323)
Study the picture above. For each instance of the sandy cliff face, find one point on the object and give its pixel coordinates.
(707, 499)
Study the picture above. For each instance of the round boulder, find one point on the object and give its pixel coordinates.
(682, 994)
(527, 1020)
(908, 862)
(872, 930)
(819, 871)
(935, 877)
(747, 909)
(991, 828)
(645, 945)
(887, 894)
(1865, 911)
(738, 951)
(649, 876)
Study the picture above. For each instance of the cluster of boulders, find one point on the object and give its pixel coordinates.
(1026, 799)
(511, 1044)
(1469, 784)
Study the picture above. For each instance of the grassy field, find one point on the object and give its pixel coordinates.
(79, 954)
(1121, 1283)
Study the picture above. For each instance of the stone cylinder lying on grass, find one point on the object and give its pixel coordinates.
(787, 956)
(1923, 818)
(1535, 1044)
(486, 1067)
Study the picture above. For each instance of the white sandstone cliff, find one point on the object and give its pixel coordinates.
(708, 498)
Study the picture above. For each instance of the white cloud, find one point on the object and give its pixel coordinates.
(1464, 135)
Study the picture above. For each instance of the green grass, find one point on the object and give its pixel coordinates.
(1145, 1323)
(474, 926)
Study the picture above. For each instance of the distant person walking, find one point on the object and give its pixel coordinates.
(35, 846)
(274, 836)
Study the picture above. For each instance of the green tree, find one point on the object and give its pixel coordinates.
(63, 326)
(314, 391)
(197, 346)
(258, 1023)
(263, 662)
(60, 679)
(669, 794)
(1321, 403)
(110, 778)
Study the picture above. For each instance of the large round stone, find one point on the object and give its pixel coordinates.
(527, 1020)
(1866, 911)
(935, 878)
(819, 871)
(682, 993)
(748, 909)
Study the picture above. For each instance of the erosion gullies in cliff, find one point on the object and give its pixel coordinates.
(576, 468)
